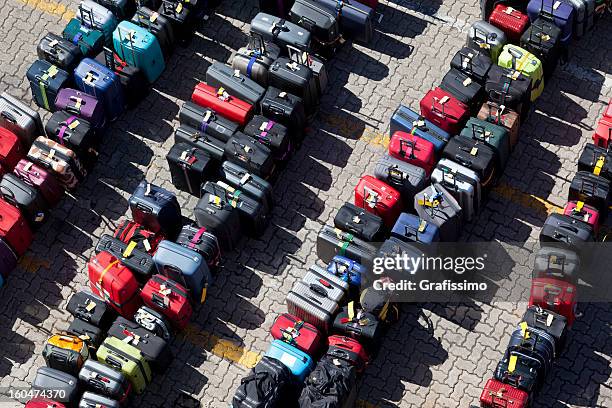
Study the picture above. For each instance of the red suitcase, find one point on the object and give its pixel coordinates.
(298, 333)
(583, 212)
(130, 231)
(603, 133)
(40, 178)
(511, 21)
(43, 403)
(608, 112)
(168, 298)
(554, 295)
(496, 394)
(348, 349)
(114, 283)
(11, 150)
(378, 198)
(224, 104)
(14, 228)
(445, 111)
(410, 148)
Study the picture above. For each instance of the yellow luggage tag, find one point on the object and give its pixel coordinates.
(73, 125)
(579, 206)
(422, 226)
(599, 165)
(203, 297)
(90, 306)
(179, 7)
(512, 364)
(153, 17)
(351, 311)
(524, 330)
(474, 151)
(78, 103)
(129, 249)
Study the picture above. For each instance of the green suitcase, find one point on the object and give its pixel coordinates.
(528, 64)
(493, 135)
(91, 42)
(122, 356)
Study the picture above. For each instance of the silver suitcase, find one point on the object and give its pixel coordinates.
(255, 59)
(281, 32)
(91, 400)
(462, 183)
(98, 17)
(56, 383)
(406, 178)
(334, 287)
(487, 38)
(101, 379)
(20, 119)
(311, 306)
(585, 14)
(437, 206)
(234, 82)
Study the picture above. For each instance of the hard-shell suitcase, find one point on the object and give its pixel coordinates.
(97, 17)
(590, 189)
(126, 358)
(269, 383)
(102, 83)
(501, 116)
(218, 216)
(8, 260)
(286, 109)
(255, 59)
(46, 80)
(129, 231)
(445, 111)
(281, 32)
(207, 121)
(437, 206)
(510, 20)
(463, 88)
(412, 149)
(349, 271)
(182, 19)
(63, 386)
(333, 241)
(462, 183)
(82, 105)
(603, 132)
(91, 400)
(583, 212)
(318, 20)
(542, 39)
(320, 281)
(75, 133)
(317, 65)
(552, 323)
(475, 155)
(560, 263)
(358, 324)
(14, 228)
(65, 353)
(596, 160)
(203, 242)
(271, 134)
(560, 12)
(528, 64)
(226, 105)
(312, 306)
(20, 119)
(378, 198)
(213, 147)
(25, 197)
(156, 208)
(492, 135)
(58, 159)
(39, 402)
(253, 156)
(90, 334)
(253, 216)
(220, 75)
(59, 52)
(249, 183)
(525, 375)
(554, 295)
(189, 167)
(347, 349)
(486, 38)
(122, 9)
(133, 82)
(138, 47)
(299, 363)
(359, 222)
(11, 149)
(411, 228)
(90, 308)
(158, 25)
(392, 248)
(90, 41)
(332, 383)
(296, 79)
(509, 87)
(138, 261)
(184, 266)
(114, 283)
(497, 394)
(473, 63)
(406, 120)
(154, 322)
(301, 335)
(566, 232)
(406, 178)
(356, 19)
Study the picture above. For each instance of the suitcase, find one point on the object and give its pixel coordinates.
(102, 83)
(286, 109)
(356, 19)
(97, 17)
(395, 249)
(59, 52)
(301, 335)
(212, 146)
(487, 39)
(189, 167)
(14, 228)
(75, 133)
(316, 65)
(255, 59)
(127, 359)
(524, 376)
(139, 262)
(359, 222)
(501, 116)
(542, 39)
(250, 184)
(492, 135)
(182, 20)
(552, 323)
(296, 79)
(312, 306)
(360, 325)
(82, 105)
(11, 150)
(554, 295)
(130, 231)
(603, 133)
(154, 349)
(584, 16)
(558, 263)
(443, 110)
(56, 383)
(43, 403)
(580, 211)
(157, 209)
(207, 121)
(332, 383)
(437, 206)
(497, 394)
(253, 217)
(253, 156)
(406, 120)
(20, 119)
(378, 198)
(281, 32)
(333, 241)
(528, 64)
(596, 160)
(349, 271)
(132, 80)
(91, 400)
(410, 228)
(138, 47)
(154, 322)
(319, 21)
(473, 63)
(46, 80)
(462, 183)
(218, 216)
(90, 334)
(534, 343)
(203, 242)
(510, 88)
(566, 232)
(91, 309)
(158, 25)
(474, 155)
(347, 349)
(8, 260)
(25, 197)
(510, 20)
(406, 178)
(59, 160)
(268, 384)
(89, 41)
(122, 9)
(220, 75)
(65, 353)
(271, 134)
(562, 13)
(114, 283)
(299, 363)
(464, 88)
(223, 103)
(184, 266)
(412, 149)
(590, 189)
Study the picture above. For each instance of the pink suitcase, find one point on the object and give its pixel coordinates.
(583, 212)
(44, 181)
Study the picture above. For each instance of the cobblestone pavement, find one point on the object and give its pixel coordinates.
(437, 355)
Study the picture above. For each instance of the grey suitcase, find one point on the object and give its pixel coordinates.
(333, 241)
(235, 83)
(281, 32)
(24, 196)
(255, 59)
(312, 306)
(101, 379)
(584, 16)
(315, 18)
(207, 121)
(93, 15)
(558, 263)
(334, 287)
(406, 178)
(319, 70)
(462, 183)
(446, 215)
(91, 400)
(486, 38)
(20, 119)
(64, 387)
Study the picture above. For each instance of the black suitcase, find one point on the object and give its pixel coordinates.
(220, 75)
(269, 384)
(202, 242)
(87, 332)
(551, 322)
(363, 327)
(63, 386)
(596, 160)
(464, 88)
(137, 261)
(273, 135)
(510, 88)
(253, 216)
(91, 400)
(591, 189)
(255, 157)
(542, 39)
(207, 121)
(331, 384)
(473, 63)
(133, 81)
(214, 147)
(474, 155)
(155, 349)
(287, 109)
(157, 25)
(101, 379)
(538, 344)
(360, 223)
(250, 184)
(46, 80)
(90, 308)
(27, 198)
(75, 133)
(281, 32)
(321, 23)
(333, 241)
(59, 52)
(524, 376)
(153, 322)
(189, 167)
(65, 359)
(356, 20)
(181, 18)
(566, 232)
(216, 213)
(296, 79)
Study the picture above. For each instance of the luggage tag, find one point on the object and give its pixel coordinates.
(599, 165)
(146, 245)
(474, 151)
(351, 311)
(179, 8)
(556, 5)
(244, 179)
(509, 11)
(237, 73)
(418, 124)
(129, 249)
(467, 82)
(203, 296)
(512, 364)
(84, 337)
(524, 330)
(215, 200)
(422, 226)
(90, 306)
(53, 43)
(222, 94)
(282, 95)
(154, 16)
(356, 219)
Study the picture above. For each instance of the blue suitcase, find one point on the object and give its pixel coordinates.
(349, 271)
(411, 228)
(157, 209)
(99, 81)
(46, 80)
(297, 361)
(185, 266)
(139, 48)
(562, 14)
(405, 119)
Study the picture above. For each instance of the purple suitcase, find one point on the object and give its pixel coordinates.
(8, 259)
(82, 105)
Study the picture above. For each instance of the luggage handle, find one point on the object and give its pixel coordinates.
(90, 16)
(9, 116)
(307, 23)
(480, 132)
(395, 174)
(257, 42)
(279, 27)
(483, 41)
(10, 196)
(131, 45)
(469, 61)
(299, 56)
(500, 109)
(562, 257)
(409, 143)
(516, 55)
(179, 278)
(318, 290)
(159, 301)
(109, 59)
(441, 112)
(111, 361)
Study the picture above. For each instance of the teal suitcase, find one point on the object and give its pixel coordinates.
(90, 42)
(493, 135)
(138, 47)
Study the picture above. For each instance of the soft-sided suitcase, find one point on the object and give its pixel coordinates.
(312, 305)
(255, 59)
(235, 83)
(348, 349)
(133, 82)
(410, 148)
(90, 308)
(207, 121)
(158, 25)
(597, 160)
(255, 157)
(11, 149)
(566, 232)
(332, 383)
(528, 64)
(411, 228)
(203, 242)
(122, 9)
(218, 216)
(58, 159)
(297, 79)
(8, 260)
(583, 212)
(154, 322)
(445, 111)
(213, 147)
(299, 363)
(65, 353)
(492, 135)
(349, 271)
(510, 20)
(129, 231)
(358, 324)
(524, 375)
(157, 209)
(560, 12)
(189, 167)
(304, 336)
(114, 283)
(126, 358)
(509, 87)
(473, 63)
(97, 17)
(138, 261)
(271, 134)
(102, 83)
(406, 178)
(14, 228)
(89, 41)
(269, 384)
(101, 379)
(359, 222)
(25, 197)
(496, 394)
(542, 39)
(20, 119)
(82, 105)
(465, 89)
(59, 52)
(554, 295)
(249, 183)
(75, 133)
(286, 109)
(535, 343)
(138, 47)
(253, 216)
(475, 155)
(552, 323)
(46, 80)
(603, 132)
(486, 38)
(91, 400)
(462, 183)
(590, 189)
(333, 241)
(319, 21)
(406, 120)
(181, 18)
(63, 386)
(356, 19)
(501, 116)
(281, 32)
(226, 105)
(90, 334)
(437, 206)
(378, 198)
(560, 263)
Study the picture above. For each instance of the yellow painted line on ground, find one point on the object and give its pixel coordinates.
(31, 264)
(50, 7)
(525, 199)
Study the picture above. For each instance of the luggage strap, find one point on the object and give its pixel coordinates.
(264, 129)
(70, 123)
(252, 62)
(197, 237)
(49, 74)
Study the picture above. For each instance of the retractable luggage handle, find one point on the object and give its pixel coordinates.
(479, 132)
(299, 56)
(409, 143)
(90, 16)
(131, 39)
(448, 173)
(500, 109)
(469, 61)
(557, 255)
(483, 42)
(395, 175)
(257, 43)
(441, 112)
